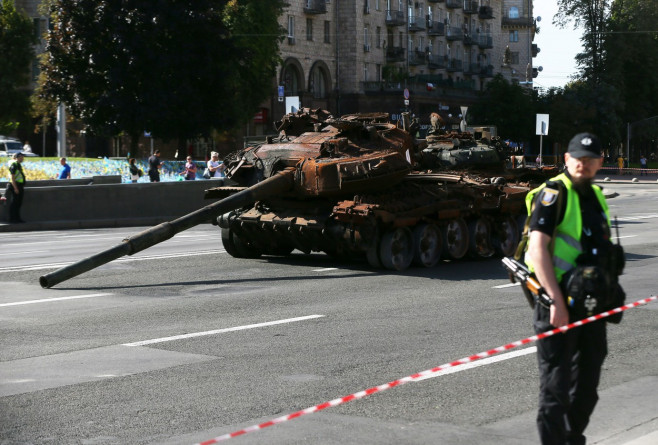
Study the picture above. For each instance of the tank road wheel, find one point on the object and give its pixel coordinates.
(236, 247)
(479, 231)
(396, 249)
(455, 238)
(427, 245)
(507, 237)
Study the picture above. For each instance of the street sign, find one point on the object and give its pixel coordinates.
(406, 102)
(406, 93)
(542, 125)
(281, 93)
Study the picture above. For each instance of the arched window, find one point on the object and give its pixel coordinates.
(291, 80)
(319, 80)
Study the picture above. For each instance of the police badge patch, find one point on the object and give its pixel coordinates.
(549, 196)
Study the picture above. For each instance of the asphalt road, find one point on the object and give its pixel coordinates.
(183, 343)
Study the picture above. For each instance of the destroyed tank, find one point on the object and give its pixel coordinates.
(348, 186)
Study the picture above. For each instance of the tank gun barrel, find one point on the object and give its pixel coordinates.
(278, 183)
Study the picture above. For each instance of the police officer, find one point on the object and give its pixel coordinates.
(569, 221)
(16, 188)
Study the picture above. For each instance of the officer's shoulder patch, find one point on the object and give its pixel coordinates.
(549, 196)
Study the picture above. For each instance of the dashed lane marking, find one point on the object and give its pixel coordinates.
(222, 331)
(49, 300)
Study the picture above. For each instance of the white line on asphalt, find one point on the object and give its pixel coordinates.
(221, 331)
(625, 236)
(120, 260)
(23, 252)
(502, 286)
(326, 269)
(485, 361)
(48, 300)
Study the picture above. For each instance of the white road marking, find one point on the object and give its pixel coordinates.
(119, 260)
(502, 286)
(326, 269)
(221, 331)
(625, 236)
(484, 361)
(48, 300)
(23, 252)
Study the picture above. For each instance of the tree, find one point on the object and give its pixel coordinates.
(631, 56)
(508, 106)
(177, 68)
(591, 15)
(16, 53)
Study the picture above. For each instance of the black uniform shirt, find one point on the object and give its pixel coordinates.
(545, 216)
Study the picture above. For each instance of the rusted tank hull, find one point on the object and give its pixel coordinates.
(421, 220)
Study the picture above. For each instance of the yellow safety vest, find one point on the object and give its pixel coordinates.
(566, 245)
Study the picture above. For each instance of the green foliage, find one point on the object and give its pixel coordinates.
(16, 54)
(590, 15)
(176, 68)
(508, 106)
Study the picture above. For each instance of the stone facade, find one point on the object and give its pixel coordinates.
(442, 51)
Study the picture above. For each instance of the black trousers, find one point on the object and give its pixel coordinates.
(15, 202)
(570, 369)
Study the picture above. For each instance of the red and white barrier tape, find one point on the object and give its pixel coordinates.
(394, 383)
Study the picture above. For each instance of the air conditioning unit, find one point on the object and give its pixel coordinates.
(291, 40)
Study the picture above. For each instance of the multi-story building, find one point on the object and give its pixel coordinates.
(361, 55)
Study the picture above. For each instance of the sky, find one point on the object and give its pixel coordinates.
(558, 47)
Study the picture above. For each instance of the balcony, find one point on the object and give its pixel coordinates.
(436, 62)
(416, 23)
(454, 33)
(472, 69)
(454, 65)
(436, 29)
(485, 41)
(394, 54)
(485, 13)
(535, 50)
(395, 18)
(417, 58)
(469, 39)
(454, 4)
(471, 7)
(315, 6)
(518, 22)
(486, 71)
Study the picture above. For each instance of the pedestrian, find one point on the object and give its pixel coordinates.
(27, 148)
(216, 167)
(190, 170)
(620, 164)
(64, 170)
(16, 188)
(155, 164)
(570, 252)
(643, 165)
(135, 172)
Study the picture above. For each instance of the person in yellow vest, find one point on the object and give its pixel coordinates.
(570, 252)
(16, 189)
(620, 164)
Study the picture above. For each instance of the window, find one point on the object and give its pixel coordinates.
(514, 36)
(378, 36)
(291, 27)
(378, 6)
(514, 58)
(378, 72)
(365, 72)
(327, 31)
(309, 29)
(366, 38)
(514, 12)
